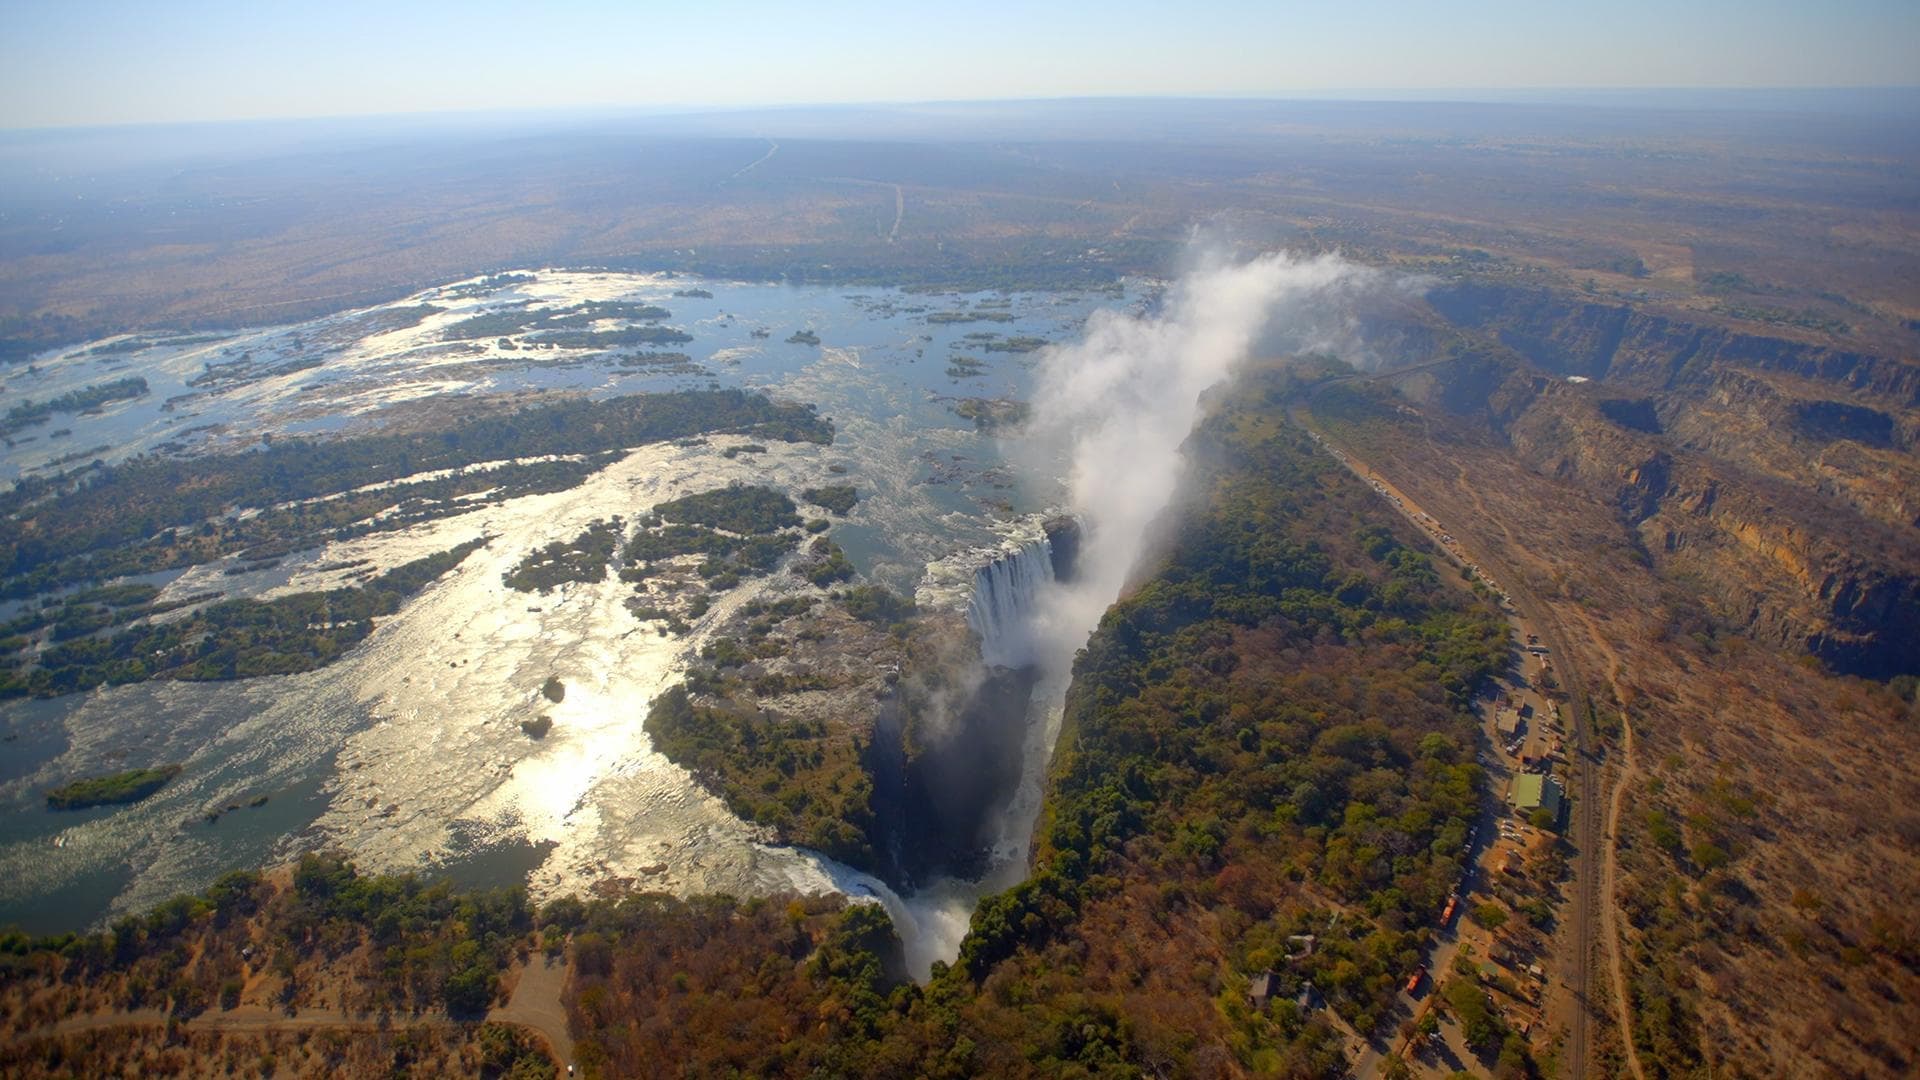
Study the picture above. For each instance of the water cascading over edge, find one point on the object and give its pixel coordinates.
(1006, 592)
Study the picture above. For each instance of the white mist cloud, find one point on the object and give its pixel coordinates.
(1118, 404)
(1113, 410)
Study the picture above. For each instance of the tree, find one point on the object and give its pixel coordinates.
(1438, 746)
(1478, 1024)
(1709, 855)
(470, 992)
(1515, 1062)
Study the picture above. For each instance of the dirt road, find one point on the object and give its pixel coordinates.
(536, 1004)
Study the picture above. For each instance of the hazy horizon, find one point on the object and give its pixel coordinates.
(1784, 99)
(98, 64)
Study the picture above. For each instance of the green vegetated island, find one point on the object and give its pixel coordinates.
(687, 550)
(159, 513)
(86, 399)
(815, 640)
(557, 325)
(778, 717)
(836, 498)
(232, 639)
(122, 787)
(992, 414)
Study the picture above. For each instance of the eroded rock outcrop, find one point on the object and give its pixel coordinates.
(1631, 346)
(1777, 474)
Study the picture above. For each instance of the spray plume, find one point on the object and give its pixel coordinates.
(1111, 411)
(1117, 405)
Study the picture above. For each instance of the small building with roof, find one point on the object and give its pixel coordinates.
(1261, 989)
(1535, 791)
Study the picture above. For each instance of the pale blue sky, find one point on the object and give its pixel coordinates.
(86, 62)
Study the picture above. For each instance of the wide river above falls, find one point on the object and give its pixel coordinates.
(407, 753)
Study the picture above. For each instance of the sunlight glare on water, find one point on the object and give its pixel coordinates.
(408, 753)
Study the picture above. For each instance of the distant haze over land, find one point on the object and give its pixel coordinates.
(218, 60)
(110, 229)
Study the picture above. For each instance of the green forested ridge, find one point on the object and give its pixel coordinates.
(1273, 729)
(54, 525)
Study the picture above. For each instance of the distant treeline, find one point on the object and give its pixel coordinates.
(22, 336)
(1017, 263)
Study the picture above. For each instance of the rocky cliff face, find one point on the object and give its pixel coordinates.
(1775, 476)
(1624, 345)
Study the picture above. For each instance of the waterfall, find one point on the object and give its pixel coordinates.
(931, 921)
(1004, 595)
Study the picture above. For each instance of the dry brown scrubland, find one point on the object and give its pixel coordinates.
(1769, 843)
(159, 1050)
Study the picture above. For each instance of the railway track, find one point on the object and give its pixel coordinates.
(1586, 759)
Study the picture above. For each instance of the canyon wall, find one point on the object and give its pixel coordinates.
(1776, 475)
